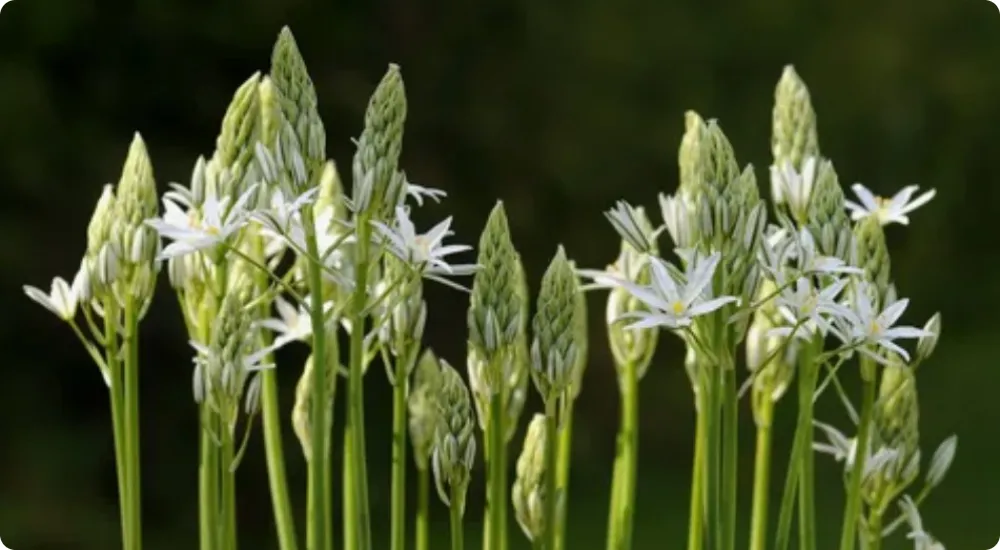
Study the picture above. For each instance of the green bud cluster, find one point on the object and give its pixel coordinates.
(296, 97)
(404, 312)
(827, 220)
(873, 255)
(528, 492)
(423, 408)
(559, 348)
(896, 422)
(793, 127)
(772, 370)
(234, 148)
(379, 185)
(630, 347)
(455, 439)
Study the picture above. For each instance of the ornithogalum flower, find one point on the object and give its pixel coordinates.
(887, 211)
(868, 328)
(794, 187)
(424, 252)
(62, 299)
(808, 309)
(200, 227)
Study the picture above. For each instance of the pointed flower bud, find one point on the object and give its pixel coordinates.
(455, 440)
(297, 98)
(271, 116)
(423, 408)
(793, 129)
(826, 218)
(378, 184)
(234, 148)
(773, 370)
(928, 342)
(404, 312)
(559, 347)
(873, 254)
(528, 492)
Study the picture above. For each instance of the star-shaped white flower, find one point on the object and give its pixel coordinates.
(794, 188)
(887, 211)
(63, 297)
(870, 329)
(200, 228)
(425, 252)
(809, 309)
(295, 324)
(672, 303)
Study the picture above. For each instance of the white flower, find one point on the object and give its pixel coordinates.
(62, 299)
(868, 328)
(424, 252)
(672, 303)
(780, 249)
(809, 309)
(794, 188)
(418, 192)
(922, 540)
(281, 212)
(679, 214)
(200, 228)
(887, 210)
(628, 221)
(294, 323)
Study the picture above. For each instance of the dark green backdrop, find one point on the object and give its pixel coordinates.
(558, 108)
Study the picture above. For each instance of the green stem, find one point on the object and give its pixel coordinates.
(761, 476)
(347, 482)
(784, 531)
(455, 512)
(551, 497)
(320, 396)
(208, 490)
(495, 483)
(730, 456)
(713, 452)
(562, 476)
(423, 508)
(630, 438)
(875, 530)
(852, 508)
(270, 411)
(399, 428)
(228, 488)
(117, 419)
(504, 485)
(695, 523)
(808, 376)
(131, 421)
(617, 484)
(355, 398)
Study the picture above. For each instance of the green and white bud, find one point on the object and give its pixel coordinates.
(455, 438)
(303, 406)
(826, 218)
(873, 254)
(560, 345)
(423, 408)
(896, 422)
(137, 243)
(379, 186)
(234, 148)
(772, 370)
(297, 98)
(103, 258)
(926, 344)
(403, 315)
(706, 158)
(793, 127)
(528, 492)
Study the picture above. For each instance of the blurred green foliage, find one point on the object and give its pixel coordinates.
(558, 108)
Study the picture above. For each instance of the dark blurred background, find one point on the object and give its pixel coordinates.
(557, 108)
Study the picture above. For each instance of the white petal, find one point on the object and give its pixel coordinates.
(867, 197)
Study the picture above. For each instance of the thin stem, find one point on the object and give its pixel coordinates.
(630, 438)
(713, 456)
(456, 506)
(874, 530)
(504, 484)
(617, 484)
(695, 523)
(852, 508)
(320, 395)
(551, 432)
(423, 508)
(228, 488)
(117, 419)
(347, 482)
(495, 483)
(131, 421)
(761, 477)
(208, 491)
(562, 476)
(730, 456)
(271, 412)
(355, 398)
(784, 531)
(399, 428)
(808, 377)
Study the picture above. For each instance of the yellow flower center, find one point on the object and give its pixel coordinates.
(874, 329)
(677, 307)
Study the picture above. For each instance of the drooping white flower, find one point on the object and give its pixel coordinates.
(424, 252)
(63, 297)
(792, 187)
(419, 192)
(809, 310)
(887, 211)
(672, 303)
(203, 227)
(869, 329)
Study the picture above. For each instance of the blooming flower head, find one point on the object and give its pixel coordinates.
(424, 252)
(869, 328)
(63, 298)
(809, 309)
(673, 300)
(887, 211)
(200, 227)
(293, 324)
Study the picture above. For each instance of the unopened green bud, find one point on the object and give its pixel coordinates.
(405, 312)
(629, 347)
(455, 440)
(99, 229)
(271, 117)
(927, 343)
(423, 408)
(331, 194)
(528, 492)
(235, 146)
(692, 158)
(137, 199)
(378, 184)
(772, 369)
(826, 218)
(297, 98)
(557, 348)
(896, 426)
(873, 253)
(724, 168)
(793, 130)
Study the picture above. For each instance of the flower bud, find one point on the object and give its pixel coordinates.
(378, 184)
(629, 347)
(297, 98)
(455, 441)
(773, 370)
(873, 254)
(423, 408)
(234, 148)
(793, 129)
(927, 343)
(559, 345)
(528, 492)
